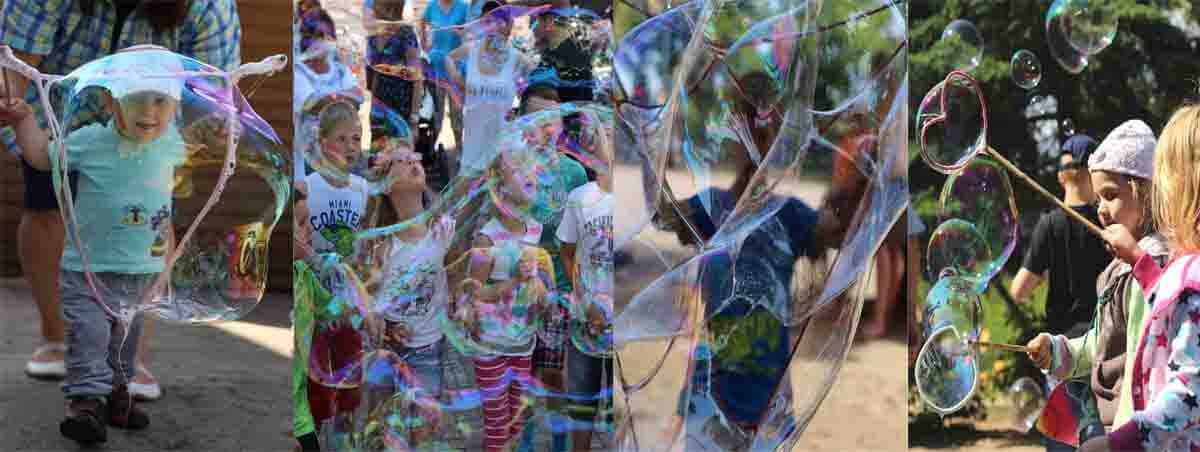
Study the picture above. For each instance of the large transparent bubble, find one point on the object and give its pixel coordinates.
(1067, 55)
(952, 123)
(946, 370)
(1089, 25)
(745, 157)
(965, 43)
(144, 143)
(981, 195)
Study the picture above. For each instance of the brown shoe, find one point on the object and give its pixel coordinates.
(123, 411)
(84, 423)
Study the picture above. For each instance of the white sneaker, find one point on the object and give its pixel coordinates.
(47, 369)
(145, 392)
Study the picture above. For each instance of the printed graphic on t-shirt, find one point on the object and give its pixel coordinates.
(415, 294)
(337, 225)
(134, 215)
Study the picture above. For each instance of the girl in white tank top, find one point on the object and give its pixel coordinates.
(488, 99)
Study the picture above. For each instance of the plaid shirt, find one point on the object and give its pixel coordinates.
(66, 39)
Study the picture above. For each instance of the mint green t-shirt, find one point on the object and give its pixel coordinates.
(547, 208)
(122, 200)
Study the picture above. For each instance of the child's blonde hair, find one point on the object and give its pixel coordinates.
(335, 114)
(1176, 200)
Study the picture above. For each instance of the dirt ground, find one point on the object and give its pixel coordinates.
(225, 386)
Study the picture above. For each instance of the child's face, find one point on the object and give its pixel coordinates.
(343, 144)
(1117, 203)
(516, 175)
(145, 116)
(406, 171)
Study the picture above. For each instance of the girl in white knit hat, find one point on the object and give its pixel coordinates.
(1121, 169)
(1164, 372)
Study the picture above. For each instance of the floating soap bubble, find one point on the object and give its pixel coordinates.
(1027, 399)
(952, 123)
(965, 44)
(946, 371)
(958, 245)
(947, 366)
(142, 240)
(1067, 56)
(981, 195)
(1089, 25)
(1025, 69)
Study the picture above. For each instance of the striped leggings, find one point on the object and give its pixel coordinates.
(502, 380)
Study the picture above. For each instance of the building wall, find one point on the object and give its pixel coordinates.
(266, 30)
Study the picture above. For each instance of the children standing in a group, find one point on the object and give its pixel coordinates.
(1165, 372)
(1120, 168)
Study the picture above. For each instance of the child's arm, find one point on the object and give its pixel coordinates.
(414, 61)
(566, 251)
(1173, 409)
(1062, 357)
(452, 67)
(30, 137)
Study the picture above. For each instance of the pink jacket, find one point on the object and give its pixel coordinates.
(1166, 373)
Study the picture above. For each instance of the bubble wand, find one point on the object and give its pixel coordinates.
(984, 148)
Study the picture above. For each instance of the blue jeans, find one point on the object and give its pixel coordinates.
(99, 353)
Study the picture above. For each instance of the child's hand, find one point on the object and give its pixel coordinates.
(13, 111)
(375, 327)
(597, 323)
(1122, 244)
(443, 229)
(1039, 351)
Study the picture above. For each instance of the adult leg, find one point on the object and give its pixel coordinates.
(885, 291)
(40, 246)
(143, 386)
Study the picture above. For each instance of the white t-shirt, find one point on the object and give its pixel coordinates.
(415, 289)
(506, 246)
(335, 213)
(588, 223)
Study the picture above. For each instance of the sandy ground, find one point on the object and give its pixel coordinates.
(225, 386)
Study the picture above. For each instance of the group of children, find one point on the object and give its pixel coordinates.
(1143, 340)
(509, 265)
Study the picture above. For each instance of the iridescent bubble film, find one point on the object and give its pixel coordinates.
(456, 237)
(144, 144)
(764, 146)
(946, 370)
(1089, 25)
(965, 42)
(952, 123)
(1056, 24)
(981, 195)
(1025, 69)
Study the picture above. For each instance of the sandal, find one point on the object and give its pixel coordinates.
(145, 392)
(56, 369)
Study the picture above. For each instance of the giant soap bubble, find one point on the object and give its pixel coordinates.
(144, 144)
